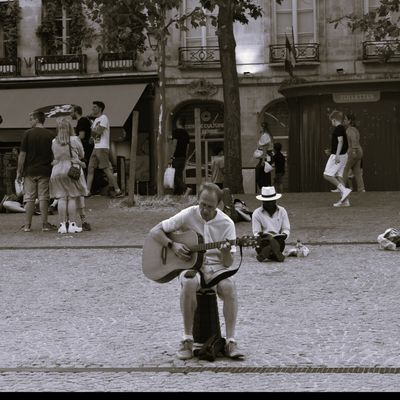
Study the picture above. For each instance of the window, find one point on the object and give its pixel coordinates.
(393, 17)
(60, 42)
(297, 14)
(201, 36)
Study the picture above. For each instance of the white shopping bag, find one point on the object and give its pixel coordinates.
(169, 176)
(19, 188)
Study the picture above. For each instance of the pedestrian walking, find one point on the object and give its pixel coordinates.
(180, 145)
(34, 170)
(337, 160)
(214, 226)
(354, 152)
(270, 223)
(100, 157)
(68, 150)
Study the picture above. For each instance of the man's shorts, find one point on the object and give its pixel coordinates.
(100, 159)
(182, 278)
(36, 187)
(333, 169)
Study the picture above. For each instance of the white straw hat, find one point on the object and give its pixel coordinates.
(268, 193)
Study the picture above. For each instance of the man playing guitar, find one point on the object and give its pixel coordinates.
(215, 226)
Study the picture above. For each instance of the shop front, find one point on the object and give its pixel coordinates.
(121, 98)
(376, 105)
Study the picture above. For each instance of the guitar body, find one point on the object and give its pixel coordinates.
(160, 264)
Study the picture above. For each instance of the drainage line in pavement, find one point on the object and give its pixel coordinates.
(139, 246)
(232, 370)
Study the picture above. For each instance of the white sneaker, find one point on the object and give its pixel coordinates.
(62, 228)
(345, 194)
(335, 190)
(345, 203)
(73, 228)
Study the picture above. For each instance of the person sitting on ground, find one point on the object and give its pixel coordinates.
(236, 209)
(271, 223)
(14, 204)
(214, 226)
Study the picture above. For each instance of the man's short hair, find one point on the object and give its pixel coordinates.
(78, 109)
(211, 187)
(337, 115)
(100, 104)
(39, 116)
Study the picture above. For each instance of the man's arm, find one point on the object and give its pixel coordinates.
(21, 163)
(339, 149)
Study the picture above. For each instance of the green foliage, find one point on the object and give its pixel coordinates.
(122, 24)
(81, 34)
(10, 15)
(379, 24)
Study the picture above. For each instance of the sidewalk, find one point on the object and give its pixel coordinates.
(313, 220)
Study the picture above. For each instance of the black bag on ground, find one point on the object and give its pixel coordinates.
(211, 348)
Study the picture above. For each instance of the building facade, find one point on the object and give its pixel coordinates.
(335, 69)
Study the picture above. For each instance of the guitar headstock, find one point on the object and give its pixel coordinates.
(248, 241)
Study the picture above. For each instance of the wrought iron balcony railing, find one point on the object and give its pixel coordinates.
(304, 52)
(60, 64)
(383, 51)
(10, 66)
(199, 57)
(117, 62)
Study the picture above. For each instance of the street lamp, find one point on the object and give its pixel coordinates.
(153, 40)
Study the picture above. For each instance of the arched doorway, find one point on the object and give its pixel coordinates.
(211, 140)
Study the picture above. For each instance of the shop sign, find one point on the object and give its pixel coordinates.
(356, 97)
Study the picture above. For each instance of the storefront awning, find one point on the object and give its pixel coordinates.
(17, 104)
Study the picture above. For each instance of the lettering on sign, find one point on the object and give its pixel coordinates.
(356, 97)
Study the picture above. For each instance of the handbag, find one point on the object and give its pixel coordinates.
(267, 167)
(74, 171)
(169, 176)
(19, 188)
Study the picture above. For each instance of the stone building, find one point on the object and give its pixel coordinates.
(335, 69)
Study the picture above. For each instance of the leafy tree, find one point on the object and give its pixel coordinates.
(379, 24)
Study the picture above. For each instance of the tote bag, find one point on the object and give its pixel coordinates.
(169, 176)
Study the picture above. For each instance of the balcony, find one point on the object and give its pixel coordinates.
(307, 53)
(60, 64)
(199, 57)
(383, 51)
(10, 67)
(117, 62)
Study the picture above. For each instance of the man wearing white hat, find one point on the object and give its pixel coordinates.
(271, 223)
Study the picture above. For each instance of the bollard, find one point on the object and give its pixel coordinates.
(206, 319)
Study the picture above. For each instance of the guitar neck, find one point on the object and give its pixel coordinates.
(213, 245)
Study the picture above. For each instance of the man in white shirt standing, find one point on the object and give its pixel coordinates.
(100, 157)
(271, 223)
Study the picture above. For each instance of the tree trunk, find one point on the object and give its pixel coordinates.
(232, 141)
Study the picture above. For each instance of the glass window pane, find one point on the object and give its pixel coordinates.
(305, 4)
(286, 5)
(305, 22)
(284, 23)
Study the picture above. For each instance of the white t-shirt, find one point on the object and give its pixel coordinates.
(104, 141)
(263, 222)
(220, 228)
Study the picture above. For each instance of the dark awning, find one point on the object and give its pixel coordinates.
(17, 104)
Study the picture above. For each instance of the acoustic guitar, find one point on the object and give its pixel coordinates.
(160, 264)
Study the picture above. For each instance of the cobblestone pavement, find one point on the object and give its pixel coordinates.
(78, 314)
(64, 309)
